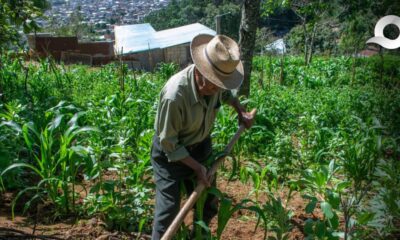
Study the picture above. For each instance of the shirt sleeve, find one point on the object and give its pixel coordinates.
(168, 126)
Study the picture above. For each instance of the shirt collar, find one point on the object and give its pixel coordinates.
(194, 95)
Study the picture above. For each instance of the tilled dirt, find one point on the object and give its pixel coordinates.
(240, 226)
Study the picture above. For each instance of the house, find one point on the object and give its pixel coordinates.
(138, 45)
(70, 50)
(371, 50)
(142, 47)
(277, 47)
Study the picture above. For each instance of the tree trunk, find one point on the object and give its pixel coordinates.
(2, 94)
(382, 63)
(353, 70)
(247, 36)
(282, 75)
(305, 42)
(311, 47)
(271, 72)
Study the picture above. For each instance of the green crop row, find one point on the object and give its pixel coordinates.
(78, 139)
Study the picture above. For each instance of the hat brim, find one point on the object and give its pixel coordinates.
(225, 81)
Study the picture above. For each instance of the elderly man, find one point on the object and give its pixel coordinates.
(187, 109)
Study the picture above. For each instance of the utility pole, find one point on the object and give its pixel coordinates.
(218, 22)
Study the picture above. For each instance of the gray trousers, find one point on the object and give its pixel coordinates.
(169, 176)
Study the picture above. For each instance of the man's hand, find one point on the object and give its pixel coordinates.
(199, 170)
(246, 118)
(202, 176)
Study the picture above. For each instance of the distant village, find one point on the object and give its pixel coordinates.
(122, 37)
(103, 13)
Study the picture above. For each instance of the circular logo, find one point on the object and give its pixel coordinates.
(380, 38)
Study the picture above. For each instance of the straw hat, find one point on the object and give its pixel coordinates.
(218, 59)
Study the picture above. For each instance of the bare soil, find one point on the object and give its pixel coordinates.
(241, 226)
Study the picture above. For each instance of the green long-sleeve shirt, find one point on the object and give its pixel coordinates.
(183, 116)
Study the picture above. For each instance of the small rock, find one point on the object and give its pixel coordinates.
(92, 222)
(103, 237)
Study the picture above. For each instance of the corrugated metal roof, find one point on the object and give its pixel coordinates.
(142, 37)
(181, 35)
(278, 46)
(134, 38)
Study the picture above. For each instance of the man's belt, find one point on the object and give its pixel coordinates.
(192, 147)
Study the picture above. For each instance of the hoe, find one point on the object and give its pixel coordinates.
(200, 187)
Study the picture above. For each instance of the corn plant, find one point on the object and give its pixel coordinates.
(337, 195)
(11, 146)
(323, 190)
(56, 157)
(122, 202)
(225, 212)
(166, 70)
(359, 162)
(278, 217)
(383, 209)
(123, 149)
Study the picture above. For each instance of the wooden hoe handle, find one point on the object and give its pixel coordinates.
(200, 187)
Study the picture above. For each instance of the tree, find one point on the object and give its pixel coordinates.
(354, 34)
(326, 37)
(16, 14)
(247, 36)
(310, 12)
(247, 33)
(264, 36)
(183, 12)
